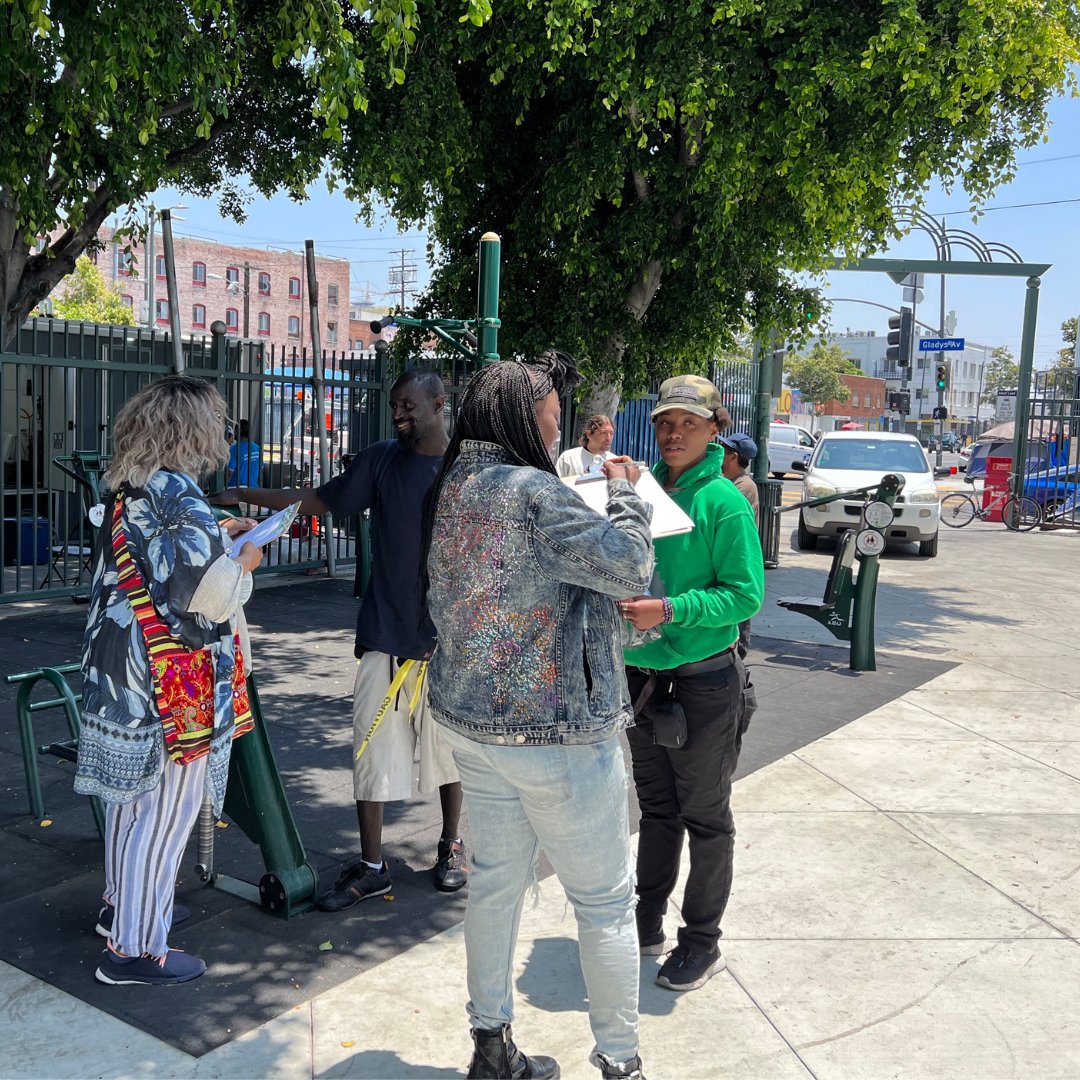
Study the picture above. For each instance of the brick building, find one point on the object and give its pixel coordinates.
(256, 293)
(866, 404)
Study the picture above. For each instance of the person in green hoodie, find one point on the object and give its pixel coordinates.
(687, 684)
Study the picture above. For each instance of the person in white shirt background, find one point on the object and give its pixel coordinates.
(595, 447)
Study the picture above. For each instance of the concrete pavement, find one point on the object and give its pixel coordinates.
(907, 890)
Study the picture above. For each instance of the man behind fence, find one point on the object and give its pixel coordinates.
(394, 635)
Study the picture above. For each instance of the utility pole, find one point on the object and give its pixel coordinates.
(402, 275)
(247, 298)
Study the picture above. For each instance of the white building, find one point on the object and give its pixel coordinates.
(966, 370)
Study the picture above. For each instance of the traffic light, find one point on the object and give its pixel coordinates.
(942, 376)
(900, 401)
(940, 413)
(901, 329)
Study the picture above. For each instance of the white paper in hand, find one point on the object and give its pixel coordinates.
(267, 530)
(667, 518)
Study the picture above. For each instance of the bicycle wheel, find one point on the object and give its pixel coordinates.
(1020, 514)
(957, 510)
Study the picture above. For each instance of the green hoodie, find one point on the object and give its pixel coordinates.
(713, 575)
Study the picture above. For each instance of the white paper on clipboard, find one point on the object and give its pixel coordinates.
(667, 518)
(268, 529)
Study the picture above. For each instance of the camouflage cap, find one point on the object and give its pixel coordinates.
(690, 392)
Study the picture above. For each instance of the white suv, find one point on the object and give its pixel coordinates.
(845, 460)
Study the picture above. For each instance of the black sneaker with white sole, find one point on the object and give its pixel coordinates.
(174, 967)
(689, 967)
(356, 883)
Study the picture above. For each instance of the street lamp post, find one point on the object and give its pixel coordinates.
(152, 214)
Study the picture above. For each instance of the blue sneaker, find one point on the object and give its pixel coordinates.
(174, 967)
(105, 919)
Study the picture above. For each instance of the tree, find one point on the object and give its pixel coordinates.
(1002, 373)
(102, 103)
(657, 177)
(87, 297)
(1063, 377)
(818, 375)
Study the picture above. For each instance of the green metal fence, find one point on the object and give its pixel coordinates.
(62, 384)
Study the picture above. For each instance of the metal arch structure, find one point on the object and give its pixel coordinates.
(1033, 272)
(944, 237)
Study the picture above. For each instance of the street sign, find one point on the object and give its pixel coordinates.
(878, 514)
(943, 344)
(913, 296)
(1006, 405)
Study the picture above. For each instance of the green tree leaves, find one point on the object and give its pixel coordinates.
(87, 297)
(658, 177)
(818, 375)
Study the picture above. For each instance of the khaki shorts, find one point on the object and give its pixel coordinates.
(384, 772)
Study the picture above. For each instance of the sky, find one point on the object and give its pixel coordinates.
(1037, 214)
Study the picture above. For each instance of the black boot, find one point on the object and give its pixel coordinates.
(497, 1058)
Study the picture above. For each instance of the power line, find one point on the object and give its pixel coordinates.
(1012, 206)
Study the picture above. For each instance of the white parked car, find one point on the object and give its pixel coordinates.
(788, 445)
(846, 460)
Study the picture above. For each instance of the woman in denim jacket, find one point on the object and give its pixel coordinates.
(527, 683)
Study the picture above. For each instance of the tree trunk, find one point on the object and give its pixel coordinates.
(26, 278)
(604, 394)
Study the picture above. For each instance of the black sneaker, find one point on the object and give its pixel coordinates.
(355, 884)
(688, 967)
(174, 967)
(616, 1070)
(105, 919)
(450, 871)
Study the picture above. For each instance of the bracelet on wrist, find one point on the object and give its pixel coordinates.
(669, 610)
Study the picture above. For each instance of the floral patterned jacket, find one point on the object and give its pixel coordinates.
(196, 588)
(523, 577)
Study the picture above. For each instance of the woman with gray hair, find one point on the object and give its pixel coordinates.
(162, 528)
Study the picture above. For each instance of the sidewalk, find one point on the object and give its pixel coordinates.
(907, 890)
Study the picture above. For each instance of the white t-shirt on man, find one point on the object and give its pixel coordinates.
(578, 460)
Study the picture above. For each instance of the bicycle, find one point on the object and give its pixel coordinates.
(1018, 513)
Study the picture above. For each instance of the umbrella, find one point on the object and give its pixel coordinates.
(851, 425)
(1037, 429)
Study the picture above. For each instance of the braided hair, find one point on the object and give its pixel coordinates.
(499, 406)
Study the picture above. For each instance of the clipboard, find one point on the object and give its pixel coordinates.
(668, 519)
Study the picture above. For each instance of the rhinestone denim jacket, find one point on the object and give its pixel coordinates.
(523, 583)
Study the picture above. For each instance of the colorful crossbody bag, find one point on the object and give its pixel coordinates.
(183, 678)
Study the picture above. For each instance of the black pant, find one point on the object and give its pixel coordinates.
(688, 790)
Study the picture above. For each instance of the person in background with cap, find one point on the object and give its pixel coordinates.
(739, 451)
(688, 685)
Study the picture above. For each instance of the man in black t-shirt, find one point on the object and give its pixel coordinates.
(393, 633)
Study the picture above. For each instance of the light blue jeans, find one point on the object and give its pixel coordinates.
(572, 802)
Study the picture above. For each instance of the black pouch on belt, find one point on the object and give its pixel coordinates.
(664, 714)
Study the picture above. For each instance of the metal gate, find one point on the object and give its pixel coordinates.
(63, 383)
(1051, 469)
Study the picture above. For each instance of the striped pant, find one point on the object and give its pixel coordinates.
(144, 842)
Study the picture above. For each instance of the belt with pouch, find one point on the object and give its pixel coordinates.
(721, 660)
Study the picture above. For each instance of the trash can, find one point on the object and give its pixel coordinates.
(26, 541)
(769, 498)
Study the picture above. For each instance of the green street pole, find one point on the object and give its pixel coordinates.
(1023, 384)
(765, 354)
(487, 299)
(861, 657)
